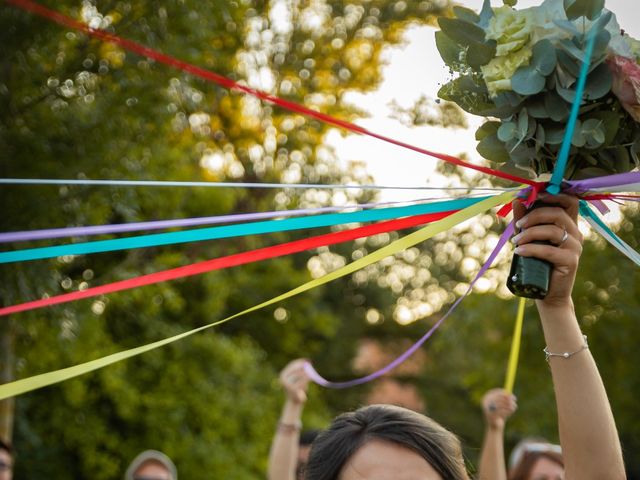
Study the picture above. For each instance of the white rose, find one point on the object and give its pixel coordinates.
(510, 29)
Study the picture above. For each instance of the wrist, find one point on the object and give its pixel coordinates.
(496, 427)
(556, 309)
(293, 427)
(294, 400)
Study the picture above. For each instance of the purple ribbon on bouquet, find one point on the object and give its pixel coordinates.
(622, 182)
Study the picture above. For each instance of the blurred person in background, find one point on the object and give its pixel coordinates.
(536, 459)
(151, 465)
(290, 447)
(531, 459)
(6, 461)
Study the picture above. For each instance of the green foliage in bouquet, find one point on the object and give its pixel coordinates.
(519, 68)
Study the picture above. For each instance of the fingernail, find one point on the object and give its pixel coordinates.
(522, 222)
(516, 238)
(518, 250)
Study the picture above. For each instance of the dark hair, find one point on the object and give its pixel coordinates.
(6, 447)
(523, 469)
(308, 436)
(350, 431)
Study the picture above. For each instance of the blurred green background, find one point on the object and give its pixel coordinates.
(73, 107)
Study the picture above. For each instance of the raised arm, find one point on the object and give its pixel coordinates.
(497, 405)
(283, 456)
(590, 444)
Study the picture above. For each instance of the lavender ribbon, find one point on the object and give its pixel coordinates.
(619, 182)
(315, 376)
(26, 235)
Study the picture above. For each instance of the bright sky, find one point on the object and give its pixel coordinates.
(415, 69)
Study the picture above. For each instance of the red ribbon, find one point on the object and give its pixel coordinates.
(208, 75)
(232, 261)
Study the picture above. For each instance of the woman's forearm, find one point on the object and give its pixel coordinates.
(590, 444)
(492, 463)
(283, 456)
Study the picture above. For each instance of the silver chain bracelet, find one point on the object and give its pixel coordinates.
(565, 355)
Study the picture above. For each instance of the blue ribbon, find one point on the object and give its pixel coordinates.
(563, 157)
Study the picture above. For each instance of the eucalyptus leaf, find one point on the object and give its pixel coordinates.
(527, 81)
(623, 160)
(449, 50)
(486, 14)
(568, 27)
(479, 54)
(579, 139)
(568, 63)
(556, 106)
(607, 159)
(493, 149)
(486, 129)
(462, 32)
(583, 8)
(599, 83)
(537, 108)
(513, 169)
(569, 46)
(551, 81)
(544, 57)
(531, 79)
(466, 14)
(554, 133)
(600, 47)
(508, 98)
(601, 22)
(507, 131)
(610, 121)
(593, 132)
(523, 156)
(567, 94)
(473, 98)
(523, 124)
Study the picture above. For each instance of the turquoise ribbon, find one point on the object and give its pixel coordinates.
(563, 157)
(227, 231)
(604, 230)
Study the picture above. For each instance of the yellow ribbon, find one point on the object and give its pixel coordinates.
(50, 378)
(512, 367)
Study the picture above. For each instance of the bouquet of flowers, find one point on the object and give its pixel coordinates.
(520, 68)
